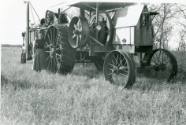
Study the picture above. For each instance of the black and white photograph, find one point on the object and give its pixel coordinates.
(93, 62)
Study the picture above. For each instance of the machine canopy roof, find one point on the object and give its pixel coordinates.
(127, 13)
(128, 16)
(102, 6)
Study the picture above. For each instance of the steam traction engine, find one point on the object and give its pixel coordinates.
(112, 36)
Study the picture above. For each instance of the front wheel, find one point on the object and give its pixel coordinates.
(119, 69)
(163, 64)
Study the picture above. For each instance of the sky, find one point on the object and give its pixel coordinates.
(13, 16)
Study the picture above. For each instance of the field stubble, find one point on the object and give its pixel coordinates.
(85, 98)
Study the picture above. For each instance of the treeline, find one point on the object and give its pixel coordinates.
(9, 45)
(171, 18)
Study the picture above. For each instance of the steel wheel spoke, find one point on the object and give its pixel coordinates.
(77, 40)
(112, 65)
(74, 36)
(118, 70)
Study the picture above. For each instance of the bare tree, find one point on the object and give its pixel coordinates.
(182, 43)
(162, 26)
(182, 12)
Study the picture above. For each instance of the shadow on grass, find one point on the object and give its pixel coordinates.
(88, 70)
(21, 84)
(144, 83)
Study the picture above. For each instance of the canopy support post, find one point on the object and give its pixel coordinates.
(97, 12)
(27, 30)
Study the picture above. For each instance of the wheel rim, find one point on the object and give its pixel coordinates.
(78, 32)
(162, 64)
(53, 50)
(117, 68)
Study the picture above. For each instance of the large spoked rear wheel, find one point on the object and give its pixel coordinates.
(119, 69)
(67, 58)
(51, 49)
(60, 57)
(163, 64)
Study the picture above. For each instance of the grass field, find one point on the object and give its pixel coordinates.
(85, 98)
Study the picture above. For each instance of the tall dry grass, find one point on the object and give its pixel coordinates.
(84, 97)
